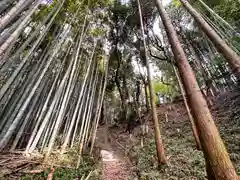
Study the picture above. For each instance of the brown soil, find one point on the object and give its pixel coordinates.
(116, 165)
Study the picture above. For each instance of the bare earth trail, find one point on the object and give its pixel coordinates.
(115, 165)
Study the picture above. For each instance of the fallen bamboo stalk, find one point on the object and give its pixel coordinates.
(120, 145)
(82, 177)
(89, 175)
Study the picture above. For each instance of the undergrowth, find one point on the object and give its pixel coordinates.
(87, 165)
(230, 132)
(184, 162)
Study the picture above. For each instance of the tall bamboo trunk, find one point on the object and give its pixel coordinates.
(4, 4)
(197, 62)
(76, 57)
(222, 47)
(72, 70)
(9, 82)
(52, 14)
(158, 139)
(194, 129)
(216, 15)
(212, 144)
(13, 12)
(92, 86)
(57, 96)
(80, 102)
(10, 30)
(27, 117)
(20, 114)
(42, 112)
(15, 109)
(20, 28)
(97, 116)
(99, 105)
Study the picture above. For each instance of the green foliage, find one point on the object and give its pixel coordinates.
(97, 32)
(236, 42)
(86, 166)
(72, 6)
(119, 10)
(229, 10)
(160, 87)
(44, 10)
(101, 61)
(97, 3)
(184, 162)
(166, 90)
(41, 176)
(176, 3)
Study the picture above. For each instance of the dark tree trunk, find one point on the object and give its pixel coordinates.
(146, 96)
(117, 81)
(102, 118)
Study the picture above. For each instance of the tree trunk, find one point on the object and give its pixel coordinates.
(42, 113)
(158, 139)
(16, 10)
(52, 14)
(18, 117)
(19, 29)
(27, 117)
(121, 93)
(99, 106)
(14, 110)
(212, 144)
(4, 4)
(231, 56)
(89, 110)
(146, 95)
(194, 129)
(10, 30)
(6, 86)
(57, 95)
(216, 15)
(79, 106)
(72, 70)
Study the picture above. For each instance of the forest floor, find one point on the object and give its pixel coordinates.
(119, 156)
(59, 167)
(184, 161)
(115, 165)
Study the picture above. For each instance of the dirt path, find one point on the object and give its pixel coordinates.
(115, 165)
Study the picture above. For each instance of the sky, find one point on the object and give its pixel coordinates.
(155, 72)
(165, 2)
(46, 1)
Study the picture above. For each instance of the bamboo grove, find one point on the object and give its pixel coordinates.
(58, 78)
(62, 61)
